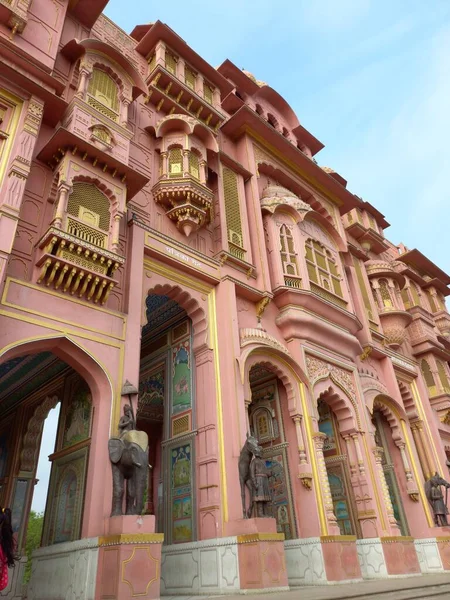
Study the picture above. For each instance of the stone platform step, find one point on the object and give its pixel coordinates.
(423, 587)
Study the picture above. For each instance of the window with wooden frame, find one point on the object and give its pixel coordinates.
(322, 267)
(103, 94)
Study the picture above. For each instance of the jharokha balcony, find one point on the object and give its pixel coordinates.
(182, 191)
(77, 262)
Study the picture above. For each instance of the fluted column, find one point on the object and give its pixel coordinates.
(186, 162)
(355, 437)
(115, 233)
(164, 165)
(64, 190)
(419, 441)
(333, 528)
(202, 166)
(411, 485)
(83, 82)
(378, 453)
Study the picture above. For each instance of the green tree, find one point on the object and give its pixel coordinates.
(33, 539)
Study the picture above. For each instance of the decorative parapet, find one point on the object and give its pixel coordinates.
(186, 201)
(72, 265)
(259, 336)
(275, 196)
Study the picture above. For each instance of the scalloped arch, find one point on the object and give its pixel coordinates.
(393, 413)
(102, 187)
(193, 309)
(340, 403)
(327, 225)
(32, 437)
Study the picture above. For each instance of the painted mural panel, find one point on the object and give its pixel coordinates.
(181, 468)
(66, 495)
(152, 389)
(77, 420)
(278, 485)
(181, 376)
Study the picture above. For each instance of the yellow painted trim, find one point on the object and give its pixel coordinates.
(390, 539)
(176, 276)
(41, 289)
(17, 111)
(61, 330)
(249, 538)
(130, 583)
(185, 280)
(326, 539)
(374, 482)
(214, 336)
(423, 499)
(131, 538)
(313, 460)
(117, 397)
(430, 440)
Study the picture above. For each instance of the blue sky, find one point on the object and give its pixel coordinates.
(369, 78)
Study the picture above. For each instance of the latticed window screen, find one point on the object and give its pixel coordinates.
(208, 93)
(322, 269)
(87, 195)
(415, 294)
(232, 208)
(432, 302)
(175, 162)
(385, 294)
(104, 89)
(442, 372)
(287, 251)
(91, 209)
(194, 168)
(372, 222)
(189, 78)
(363, 288)
(428, 376)
(405, 297)
(171, 63)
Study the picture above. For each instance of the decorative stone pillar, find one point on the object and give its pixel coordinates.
(164, 157)
(247, 418)
(333, 528)
(199, 85)
(83, 82)
(351, 461)
(124, 111)
(411, 485)
(185, 163)
(216, 98)
(180, 69)
(359, 456)
(160, 54)
(115, 233)
(64, 190)
(378, 453)
(304, 469)
(202, 166)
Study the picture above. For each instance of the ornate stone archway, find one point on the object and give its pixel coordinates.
(31, 440)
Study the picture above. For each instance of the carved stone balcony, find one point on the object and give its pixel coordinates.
(423, 334)
(442, 320)
(75, 266)
(186, 201)
(394, 323)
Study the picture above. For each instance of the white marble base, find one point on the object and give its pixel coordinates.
(428, 555)
(206, 567)
(371, 558)
(304, 562)
(15, 588)
(66, 570)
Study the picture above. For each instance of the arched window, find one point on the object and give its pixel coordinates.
(289, 257)
(175, 162)
(171, 63)
(322, 268)
(410, 295)
(194, 167)
(385, 294)
(88, 211)
(208, 93)
(442, 372)
(259, 110)
(104, 94)
(428, 376)
(189, 78)
(415, 294)
(272, 121)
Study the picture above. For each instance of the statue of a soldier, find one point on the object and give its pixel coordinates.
(433, 491)
(260, 478)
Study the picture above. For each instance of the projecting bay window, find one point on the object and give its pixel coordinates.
(323, 273)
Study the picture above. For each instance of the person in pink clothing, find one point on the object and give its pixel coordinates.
(7, 546)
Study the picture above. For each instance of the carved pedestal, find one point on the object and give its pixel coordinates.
(129, 560)
(262, 563)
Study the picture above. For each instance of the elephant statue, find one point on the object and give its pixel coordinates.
(129, 462)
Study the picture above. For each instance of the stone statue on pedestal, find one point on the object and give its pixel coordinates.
(254, 476)
(433, 491)
(128, 454)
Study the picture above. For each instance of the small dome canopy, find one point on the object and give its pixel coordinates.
(275, 196)
(253, 78)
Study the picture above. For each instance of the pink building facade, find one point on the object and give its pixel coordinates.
(166, 223)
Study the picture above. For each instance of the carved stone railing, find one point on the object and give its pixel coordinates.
(74, 266)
